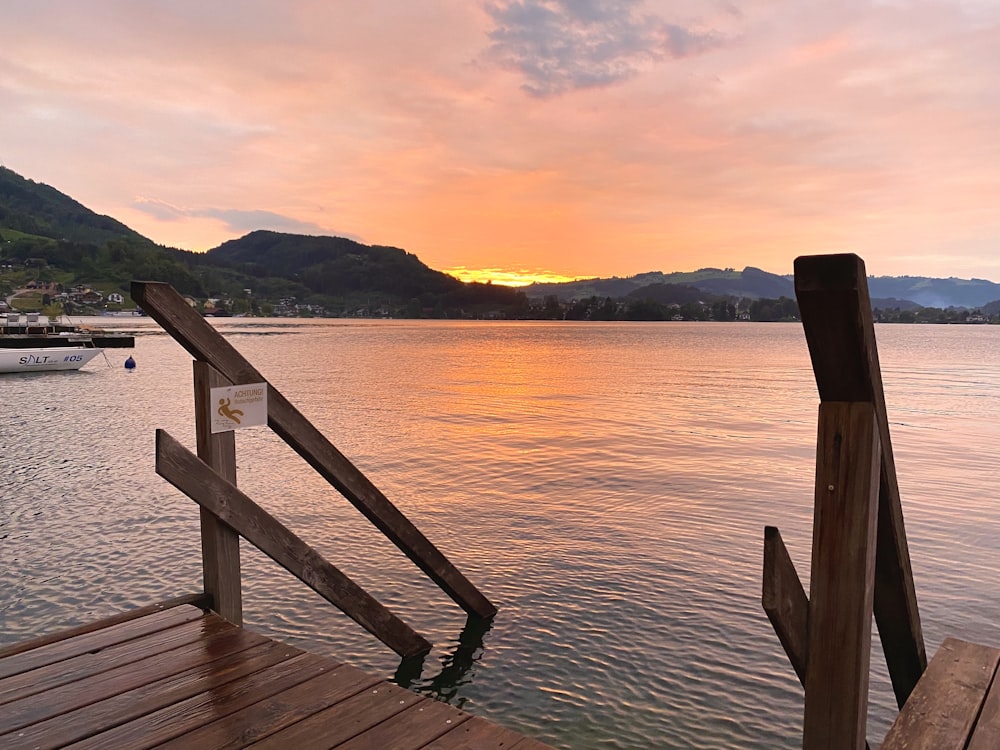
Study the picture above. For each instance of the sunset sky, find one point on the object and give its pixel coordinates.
(563, 137)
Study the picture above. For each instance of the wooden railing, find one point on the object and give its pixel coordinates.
(860, 559)
(226, 513)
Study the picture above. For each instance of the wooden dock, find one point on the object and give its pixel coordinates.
(176, 676)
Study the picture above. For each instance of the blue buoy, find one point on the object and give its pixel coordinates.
(130, 363)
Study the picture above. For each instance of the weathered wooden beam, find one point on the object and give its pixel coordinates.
(203, 342)
(832, 292)
(843, 577)
(785, 601)
(194, 478)
(220, 544)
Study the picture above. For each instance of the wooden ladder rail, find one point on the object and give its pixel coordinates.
(162, 303)
(835, 308)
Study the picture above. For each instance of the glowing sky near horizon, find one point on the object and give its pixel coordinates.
(515, 139)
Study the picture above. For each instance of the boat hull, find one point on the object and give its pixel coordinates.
(45, 359)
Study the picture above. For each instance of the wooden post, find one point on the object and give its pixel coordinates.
(203, 342)
(832, 292)
(843, 577)
(220, 545)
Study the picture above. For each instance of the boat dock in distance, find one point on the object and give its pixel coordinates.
(32, 330)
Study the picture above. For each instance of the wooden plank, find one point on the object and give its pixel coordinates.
(204, 343)
(35, 708)
(157, 727)
(343, 721)
(411, 729)
(58, 646)
(241, 728)
(95, 718)
(220, 544)
(785, 601)
(97, 661)
(187, 473)
(832, 293)
(986, 735)
(479, 734)
(197, 600)
(944, 706)
(842, 580)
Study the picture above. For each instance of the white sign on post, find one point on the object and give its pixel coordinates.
(238, 406)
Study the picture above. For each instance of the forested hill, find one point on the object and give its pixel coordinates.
(34, 208)
(332, 265)
(46, 236)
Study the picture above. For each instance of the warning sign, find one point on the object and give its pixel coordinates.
(237, 406)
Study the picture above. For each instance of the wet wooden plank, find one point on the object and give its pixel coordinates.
(785, 601)
(421, 723)
(344, 720)
(100, 660)
(119, 709)
(943, 707)
(240, 728)
(166, 724)
(832, 293)
(197, 600)
(986, 735)
(35, 708)
(479, 734)
(59, 646)
(204, 343)
(190, 475)
(842, 579)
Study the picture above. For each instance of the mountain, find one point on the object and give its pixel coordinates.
(903, 292)
(36, 209)
(333, 265)
(928, 292)
(750, 282)
(52, 238)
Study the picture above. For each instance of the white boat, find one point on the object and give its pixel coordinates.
(29, 343)
(46, 358)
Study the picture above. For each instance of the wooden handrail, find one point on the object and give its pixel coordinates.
(201, 483)
(204, 343)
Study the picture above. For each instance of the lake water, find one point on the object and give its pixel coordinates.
(606, 485)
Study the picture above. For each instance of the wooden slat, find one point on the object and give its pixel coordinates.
(345, 720)
(986, 735)
(204, 343)
(832, 293)
(187, 473)
(479, 734)
(109, 713)
(220, 544)
(843, 569)
(26, 711)
(196, 600)
(785, 601)
(172, 721)
(943, 708)
(241, 728)
(411, 729)
(97, 661)
(69, 643)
